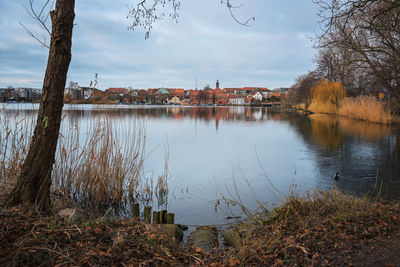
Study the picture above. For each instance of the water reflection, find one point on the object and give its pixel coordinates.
(330, 131)
(365, 154)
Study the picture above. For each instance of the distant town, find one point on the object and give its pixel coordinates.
(76, 94)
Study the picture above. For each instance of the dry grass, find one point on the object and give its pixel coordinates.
(365, 108)
(14, 138)
(103, 172)
(314, 229)
(322, 107)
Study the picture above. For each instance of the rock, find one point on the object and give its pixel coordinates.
(204, 237)
(173, 230)
(232, 238)
(71, 215)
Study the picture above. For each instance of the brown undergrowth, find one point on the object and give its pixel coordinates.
(28, 240)
(324, 228)
(320, 229)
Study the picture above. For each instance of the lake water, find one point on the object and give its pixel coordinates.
(247, 154)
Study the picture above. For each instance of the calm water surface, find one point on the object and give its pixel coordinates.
(264, 153)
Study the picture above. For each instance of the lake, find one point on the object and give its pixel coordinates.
(248, 154)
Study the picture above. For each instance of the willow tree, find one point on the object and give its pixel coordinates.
(326, 96)
(33, 184)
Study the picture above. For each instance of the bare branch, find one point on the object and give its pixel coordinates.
(230, 7)
(146, 12)
(41, 17)
(42, 42)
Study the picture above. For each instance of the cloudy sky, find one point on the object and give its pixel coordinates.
(206, 42)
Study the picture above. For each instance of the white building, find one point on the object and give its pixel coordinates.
(258, 96)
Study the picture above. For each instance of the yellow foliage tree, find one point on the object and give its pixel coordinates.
(326, 96)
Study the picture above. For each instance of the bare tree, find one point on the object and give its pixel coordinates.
(34, 180)
(370, 30)
(301, 90)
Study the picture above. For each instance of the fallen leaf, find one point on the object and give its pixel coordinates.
(234, 262)
(200, 250)
(102, 253)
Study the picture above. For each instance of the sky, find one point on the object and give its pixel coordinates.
(206, 42)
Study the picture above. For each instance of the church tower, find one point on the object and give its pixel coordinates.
(217, 85)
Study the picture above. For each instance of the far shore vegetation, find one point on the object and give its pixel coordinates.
(330, 98)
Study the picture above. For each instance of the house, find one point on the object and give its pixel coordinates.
(219, 97)
(119, 91)
(174, 100)
(185, 102)
(235, 99)
(258, 96)
(177, 92)
(275, 94)
(194, 97)
(87, 92)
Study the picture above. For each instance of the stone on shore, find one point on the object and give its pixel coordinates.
(204, 237)
(71, 215)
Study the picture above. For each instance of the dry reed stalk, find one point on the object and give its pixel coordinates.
(14, 131)
(105, 171)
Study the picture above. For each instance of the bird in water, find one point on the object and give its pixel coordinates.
(336, 176)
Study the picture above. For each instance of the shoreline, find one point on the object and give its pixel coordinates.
(321, 228)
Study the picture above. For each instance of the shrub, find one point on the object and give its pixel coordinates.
(326, 97)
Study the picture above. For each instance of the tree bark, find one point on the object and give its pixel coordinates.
(33, 184)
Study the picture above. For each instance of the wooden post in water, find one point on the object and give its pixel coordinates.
(156, 217)
(135, 210)
(147, 214)
(170, 218)
(163, 217)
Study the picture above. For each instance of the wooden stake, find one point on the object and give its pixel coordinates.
(147, 214)
(170, 218)
(135, 210)
(156, 217)
(163, 219)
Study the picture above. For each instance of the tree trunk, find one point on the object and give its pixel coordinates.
(33, 184)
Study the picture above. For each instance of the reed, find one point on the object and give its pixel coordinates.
(365, 108)
(102, 172)
(14, 133)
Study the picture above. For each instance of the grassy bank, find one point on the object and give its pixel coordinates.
(320, 229)
(324, 228)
